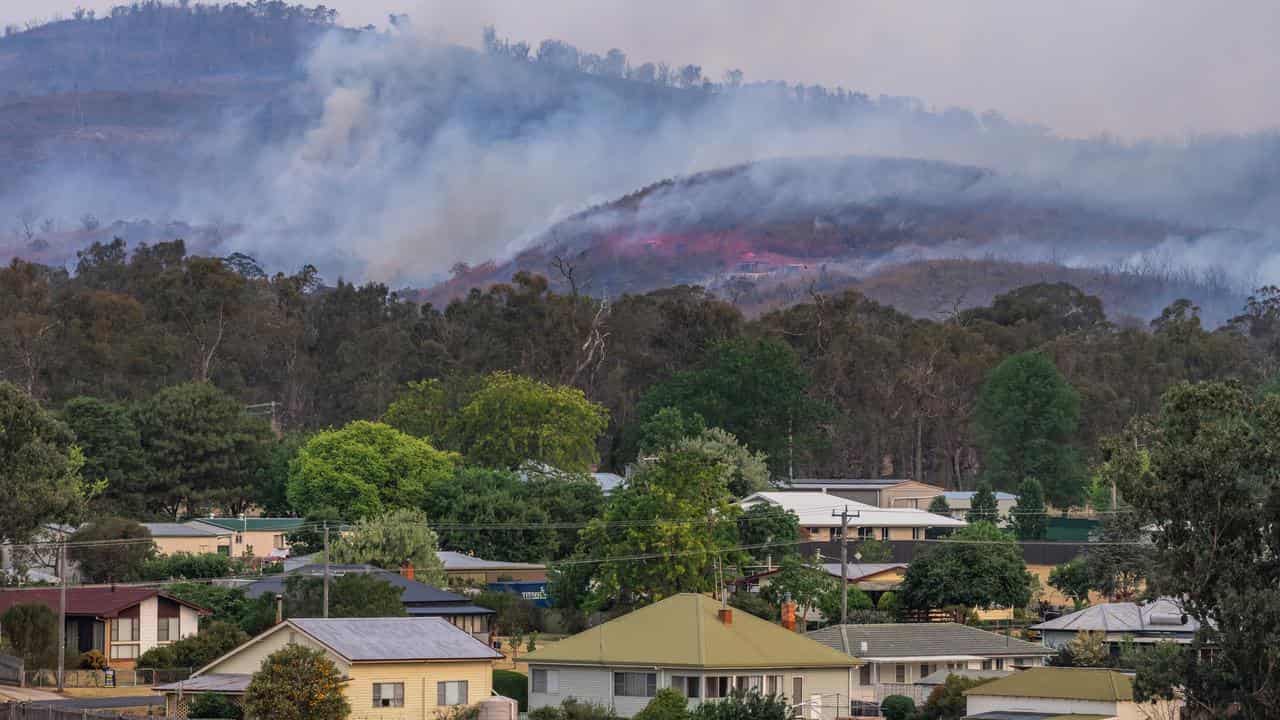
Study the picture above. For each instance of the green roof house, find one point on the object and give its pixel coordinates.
(259, 537)
(1058, 693)
(691, 643)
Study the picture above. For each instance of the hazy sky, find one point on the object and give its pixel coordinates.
(1129, 67)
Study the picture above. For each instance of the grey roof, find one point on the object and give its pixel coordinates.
(166, 529)
(1163, 616)
(858, 571)
(845, 483)
(447, 610)
(968, 495)
(923, 640)
(414, 592)
(939, 677)
(608, 481)
(459, 561)
(394, 639)
(213, 682)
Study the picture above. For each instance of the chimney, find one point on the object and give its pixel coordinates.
(789, 614)
(279, 609)
(407, 570)
(725, 615)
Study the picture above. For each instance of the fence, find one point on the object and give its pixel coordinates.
(10, 670)
(97, 678)
(31, 711)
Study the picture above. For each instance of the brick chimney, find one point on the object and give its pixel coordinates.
(725, 615)
(407, 570)
(789, 614)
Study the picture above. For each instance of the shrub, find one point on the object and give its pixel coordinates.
(32, 630)
(297, 683)
(755, 604)
(947, 701)
(509, 683)
(187, 566)
(898, 707)
(211, 705)
(889, 603)
(574, 709)
(668, 704)
(750, 706)
(195, 651)
(92, 660)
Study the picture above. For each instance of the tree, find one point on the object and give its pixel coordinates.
(1120, 561)
(677, 508)
(122, 557)
(41, 479)
(1027, 418)
(753, 603)
(979, 566)
(350, 595)
(947, 701)
(872, 551)
(1088, 649)
(898, 707)
(297, 683)
(390, 541)
(666, 427)
(364, 470)
(667, 704)
(105, 432)
(1028, 517)
(1203, 472)
(939, 506)
(201, 450)
(983, 507)
(768, 532)
(429, 409)
(228, 605)
(32, 630)
(807, 583)
(829, 601)
(195, 651)
(749, 472)
(1072, 580)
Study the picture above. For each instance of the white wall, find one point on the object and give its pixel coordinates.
(188, 622)
(148, 610)
(978, 704)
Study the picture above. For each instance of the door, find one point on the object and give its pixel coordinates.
(815, 707)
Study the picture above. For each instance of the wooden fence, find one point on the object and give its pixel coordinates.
(33, 711)
(98, 678)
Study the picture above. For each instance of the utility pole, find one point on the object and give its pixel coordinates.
(62, 613)
(844, 516)
(326, 568)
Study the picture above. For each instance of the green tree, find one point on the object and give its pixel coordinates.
(749, 472)
(666, 427)
(512, 684)
(390, 541)
(755, 604)
(1088, 649)
(297, 683)
(201, 450)
(676, 507)
(871, 551)
(429, 409)
(947, 701)
(1072, 579)
(1120, 561)
(768, 531)
(32, 630)
(195, 651)
(187, 566)
(513, 420)
(939, 506)
(273, 488)
(105, 432)
(805, 582)
(983, 507)
(364, 470)
(979, 566)
(829, 602)
(123, 556)
(41, 480)
(667, 704)
(1028, 517)
(228, 605)
(1027, 416)
(898, 707)
(351, 595)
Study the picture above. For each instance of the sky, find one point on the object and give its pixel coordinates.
(1129, 68)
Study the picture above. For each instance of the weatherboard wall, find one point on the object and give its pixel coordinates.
(420, 692)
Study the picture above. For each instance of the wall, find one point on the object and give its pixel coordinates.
(193, 545)
(249, 659)
(909, 495)
(978, 704)
(419, 687)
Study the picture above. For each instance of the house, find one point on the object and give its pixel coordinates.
(880, 492)
(189, 537)
(608, 482)
(868, 522)
(692, 643)
(37, 561)
(391, 667)
(419, 599)
(897, 656)
(872, 578)
(960, 501)
(121, 623)
(1161, 620)
(478, 571)
(258, 537)
(1056, 693)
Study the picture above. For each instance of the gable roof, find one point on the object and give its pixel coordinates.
(460, 561)
(259, 524)
(166, 529)
(1096, 684)
(1163, 616)
(814, 510)
(684, 631)
(922, 640)
(96, 601)
(394, 639)
(413, 592)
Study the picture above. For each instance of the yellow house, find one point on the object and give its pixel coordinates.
(259, 537)
(393, 668)
(193, 538)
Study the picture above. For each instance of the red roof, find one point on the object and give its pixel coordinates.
(96, 601)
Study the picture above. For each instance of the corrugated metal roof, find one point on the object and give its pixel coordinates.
(394, 639)
(685, 631)
(163, 529)
(458, 561)
(447, 610)
(1096, 684)
(96, 601)
(413, 591)
(215, 682)
(814, 510)
(1161, 616)
(857, 571)
(916, 640)
(258, 524)
(968, 495)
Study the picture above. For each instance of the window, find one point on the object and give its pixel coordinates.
(899, 673)
(864, 674)
(453, 692)
(388, 695)
(634, 684)
(924, 670)
(866, 533)
(797, 690)
(124, 652)
(915, 533)
(224, 550)
(688, 685)
(239, 538)
(999, 663)
(718, 686)
(124, 630)
(750, 683)
(773, 685)
(167, 629)
(884, 533)
(986, 664)
(546, 681)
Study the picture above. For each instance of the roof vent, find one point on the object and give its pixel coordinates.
(1167, 619)
(863, 646)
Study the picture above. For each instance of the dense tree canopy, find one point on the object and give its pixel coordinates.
(114, 550)
(297, 683)
(978, 566)
(390, 541)
(41, 480)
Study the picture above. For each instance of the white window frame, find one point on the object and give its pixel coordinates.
(397, 694)
(460, 688)
(550, 681)
(620, 682)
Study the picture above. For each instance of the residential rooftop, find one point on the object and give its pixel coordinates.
(814, 509)
(459, 561)
(1164, 615)
(906, 641)
(168, 529)
(254, 524)
(394, 639)
(413, 591)
(1061, 683)
(98, 601)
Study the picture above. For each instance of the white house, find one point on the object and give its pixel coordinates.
(867, 522)
(1047, 692)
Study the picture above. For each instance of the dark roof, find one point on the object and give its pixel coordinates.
(167, 529)
(844, 483)
(253, 524)
(96, 601)
(447, 610)
(415, 593)
(1034, 552)
(391, 639)
(922, 640)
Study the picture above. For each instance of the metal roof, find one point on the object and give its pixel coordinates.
(848, 483)
(857, 571)
(608, 482)
(230, 683)
(1163, 616)
(447, 610)
(413, 593)
(814, 510)
(95, 601)
(459, 561)
(166, 529)
(685, 631)
(1061, 683)
(394, 639)
(968, 495)
(939, 677)
(253, 524)
(918, 640)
